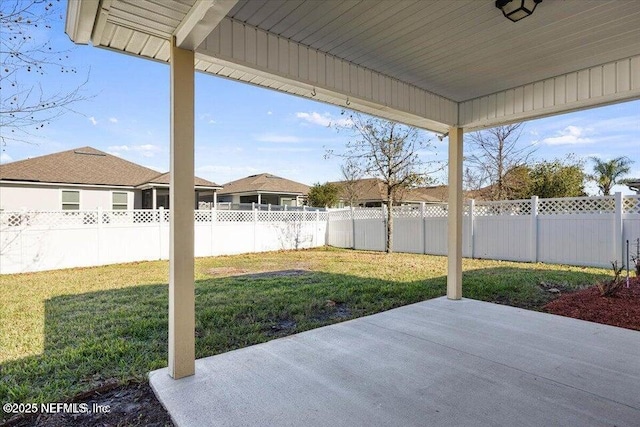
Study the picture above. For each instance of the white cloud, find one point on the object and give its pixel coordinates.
(207, 117)
(113, 120)
(145, 150)
(271, 137)
(93, 120)
(284, 149)
(569, 135)
(325, 119)
(120, 148)
(5, 158)
(269, 113)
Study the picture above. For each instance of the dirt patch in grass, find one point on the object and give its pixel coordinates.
(333, 311)
(621, 310)
(133, 404)
(252, 274)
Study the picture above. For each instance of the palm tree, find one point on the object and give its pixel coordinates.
(607, 174)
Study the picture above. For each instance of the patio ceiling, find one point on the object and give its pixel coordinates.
(432, 64)
(446, 66)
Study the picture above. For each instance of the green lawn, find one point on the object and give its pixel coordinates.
(64, 332)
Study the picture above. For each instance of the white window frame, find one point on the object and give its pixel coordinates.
(126, 205)
(63, 203)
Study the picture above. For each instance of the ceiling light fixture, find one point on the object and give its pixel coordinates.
(516, 10)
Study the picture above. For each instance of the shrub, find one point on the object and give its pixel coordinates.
(609, 288)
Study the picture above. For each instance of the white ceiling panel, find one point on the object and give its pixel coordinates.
(450, 51)
(455, 48)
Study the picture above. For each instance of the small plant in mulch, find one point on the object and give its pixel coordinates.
(636, 258)
(609, 288)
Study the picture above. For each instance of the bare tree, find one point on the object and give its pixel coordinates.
(351, 174)
(494, 155)
(26, 54)
(390, 152)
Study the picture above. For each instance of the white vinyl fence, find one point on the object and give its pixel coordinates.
(36, 241)
(587, 231)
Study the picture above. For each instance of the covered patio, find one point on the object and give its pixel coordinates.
(445, 66)
(435, 363)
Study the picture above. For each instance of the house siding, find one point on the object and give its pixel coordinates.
(42, 197)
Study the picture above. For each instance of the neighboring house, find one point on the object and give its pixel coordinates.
(264, 189)
(634, 185)
(371, 192)
(86, 178)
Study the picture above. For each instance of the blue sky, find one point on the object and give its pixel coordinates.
(243, 130)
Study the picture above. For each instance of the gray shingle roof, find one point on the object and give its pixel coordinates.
(265, 182)
(372, 189)
(86, 166)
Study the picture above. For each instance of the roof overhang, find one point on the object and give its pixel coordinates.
(431, 64)
(149, 185)
(256, 192)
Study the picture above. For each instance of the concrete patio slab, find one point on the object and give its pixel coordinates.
(435, 363)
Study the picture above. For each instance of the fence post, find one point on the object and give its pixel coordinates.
(423, 220)
(316, 234)
(384, 226)
(214, 219)
(99, 233)
(160, 214)
(617, 230)
(353, 228)
(255, 230)
(472, 205)
(534, 229)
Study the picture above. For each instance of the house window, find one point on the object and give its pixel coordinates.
(70, 200)
(119, 201)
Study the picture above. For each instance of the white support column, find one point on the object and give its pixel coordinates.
(259, 199)
(215, 199)
(154, 197)
(454, 258)
(181, 252)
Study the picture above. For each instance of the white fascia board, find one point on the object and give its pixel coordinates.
(256, 192)
(282, 193)
(243, 52)
(597, 86)
(147, 186)
(202, 18)
(81, 17)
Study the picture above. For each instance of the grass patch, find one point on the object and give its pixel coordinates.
(67, 331)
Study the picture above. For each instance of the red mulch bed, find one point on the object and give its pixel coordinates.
(621, 310)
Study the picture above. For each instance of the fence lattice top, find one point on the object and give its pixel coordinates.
(578, 205)
(147, 217)
(509, 207)
(564, 206)
(631, 205)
